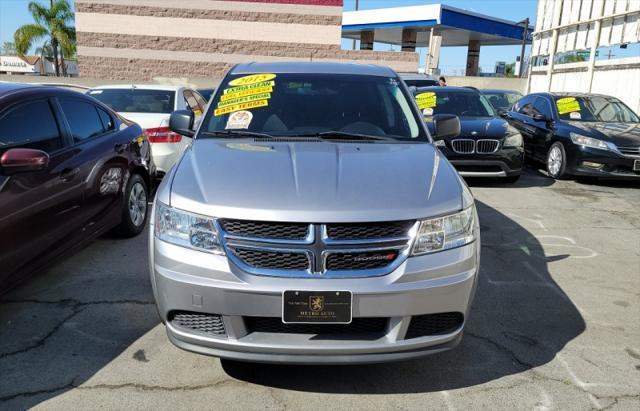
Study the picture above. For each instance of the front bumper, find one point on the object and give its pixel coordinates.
(192, 281)
(506, 162)
(613, 165)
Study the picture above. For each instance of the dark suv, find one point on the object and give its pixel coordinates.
(70, 170)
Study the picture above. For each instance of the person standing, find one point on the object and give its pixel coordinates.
(442, 81)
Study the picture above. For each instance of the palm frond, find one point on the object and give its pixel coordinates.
(61, 10)
(40, 13)
(26, 35)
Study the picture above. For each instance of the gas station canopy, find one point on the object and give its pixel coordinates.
(456, 27)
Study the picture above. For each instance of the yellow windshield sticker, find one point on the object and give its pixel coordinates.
(263, 96)
(567, 105)
(426, 100)
(241, 106)
(244, 93)
(238, 89)
(252, 79)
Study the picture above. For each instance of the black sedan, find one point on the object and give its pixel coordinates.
(575, 134)
(71, 169)
(487, 145)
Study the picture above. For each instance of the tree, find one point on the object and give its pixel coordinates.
(510, 70)
(51, 23)
(8, 48)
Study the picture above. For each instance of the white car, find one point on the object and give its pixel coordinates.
(150, 106)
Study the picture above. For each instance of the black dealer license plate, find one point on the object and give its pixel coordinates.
(316, 307)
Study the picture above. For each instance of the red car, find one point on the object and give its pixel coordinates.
(71, 169)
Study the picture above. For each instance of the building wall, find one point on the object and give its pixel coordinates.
(571, 25)
(141, 39)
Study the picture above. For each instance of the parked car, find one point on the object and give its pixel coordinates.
(501, 100)
(328, 228)
(70, 170)
(575, 134)
(150, 106)
(487, 146)
(206, 93)
(418, 80)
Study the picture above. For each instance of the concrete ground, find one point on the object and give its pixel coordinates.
(555, 325)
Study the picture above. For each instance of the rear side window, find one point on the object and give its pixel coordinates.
(83, 119)
(135, 100)
(107, 121)
(30, 125)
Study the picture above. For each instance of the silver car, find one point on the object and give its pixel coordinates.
(313, 220)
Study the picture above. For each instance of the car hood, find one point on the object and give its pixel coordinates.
(315, 181)
(621, 134)
(477, 128)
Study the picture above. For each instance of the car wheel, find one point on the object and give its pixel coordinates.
(511, 179)
(556, 161)
(134, 207)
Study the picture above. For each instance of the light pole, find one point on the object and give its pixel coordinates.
(354, 40)
(525, 32)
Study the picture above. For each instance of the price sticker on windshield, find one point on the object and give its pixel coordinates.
(426, 100)
(567, 105)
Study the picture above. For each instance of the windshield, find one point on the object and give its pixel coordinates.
(420, 82)
(308, 104)
(460, 103)
(135, 100)
(502, 100)
(595, 108)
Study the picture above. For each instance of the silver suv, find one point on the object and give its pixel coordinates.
(312, 220)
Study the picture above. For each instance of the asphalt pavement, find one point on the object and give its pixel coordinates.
(555, 325)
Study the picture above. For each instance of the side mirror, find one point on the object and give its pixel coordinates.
(445, 125)
(540, 117)
(22, 160)
(181, 122)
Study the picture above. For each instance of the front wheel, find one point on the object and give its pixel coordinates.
(134, 207)
(557, 161)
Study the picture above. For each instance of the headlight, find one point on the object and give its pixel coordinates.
(442, 233)
(591, 142)
(186, 229)
(513, 140)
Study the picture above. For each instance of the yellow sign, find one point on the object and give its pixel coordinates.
(263, 96)
(252, 79)
(243, 93)
(241, 106)
(426, 100)
(249, 87)
(567, 105)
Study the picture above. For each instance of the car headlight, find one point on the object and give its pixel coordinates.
(443, 233)
(592, 142)
(513, 140)
(187, 229)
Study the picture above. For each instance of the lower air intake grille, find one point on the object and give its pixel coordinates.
(360, 261)
(433, 324)
(361, 326)
(275, 260)
(204, 323)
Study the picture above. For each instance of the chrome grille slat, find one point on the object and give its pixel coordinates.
(487, 146)
(633, 151)
(463, 145)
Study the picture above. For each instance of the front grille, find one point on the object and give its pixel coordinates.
(365, 231)
(463, 146)
(630, 151)
(265, 229)
(204, 323)
(274, 260)
(433, 324)
(358, 326)
(487, 146)
(360, 261)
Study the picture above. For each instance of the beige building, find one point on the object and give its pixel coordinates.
(140, 40)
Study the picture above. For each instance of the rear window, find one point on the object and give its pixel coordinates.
(132, 100)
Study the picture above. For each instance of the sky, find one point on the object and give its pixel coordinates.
(14, 13)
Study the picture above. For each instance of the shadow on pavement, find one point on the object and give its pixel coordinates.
(519, 320)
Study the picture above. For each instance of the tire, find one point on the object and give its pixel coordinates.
(556, 161)
(511, 179)
(135, 208)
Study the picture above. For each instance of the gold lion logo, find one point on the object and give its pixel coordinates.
(316, 303)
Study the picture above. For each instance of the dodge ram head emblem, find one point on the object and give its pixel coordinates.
(316, 303)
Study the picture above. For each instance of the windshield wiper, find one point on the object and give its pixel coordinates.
(342, 135)
(236, 133)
